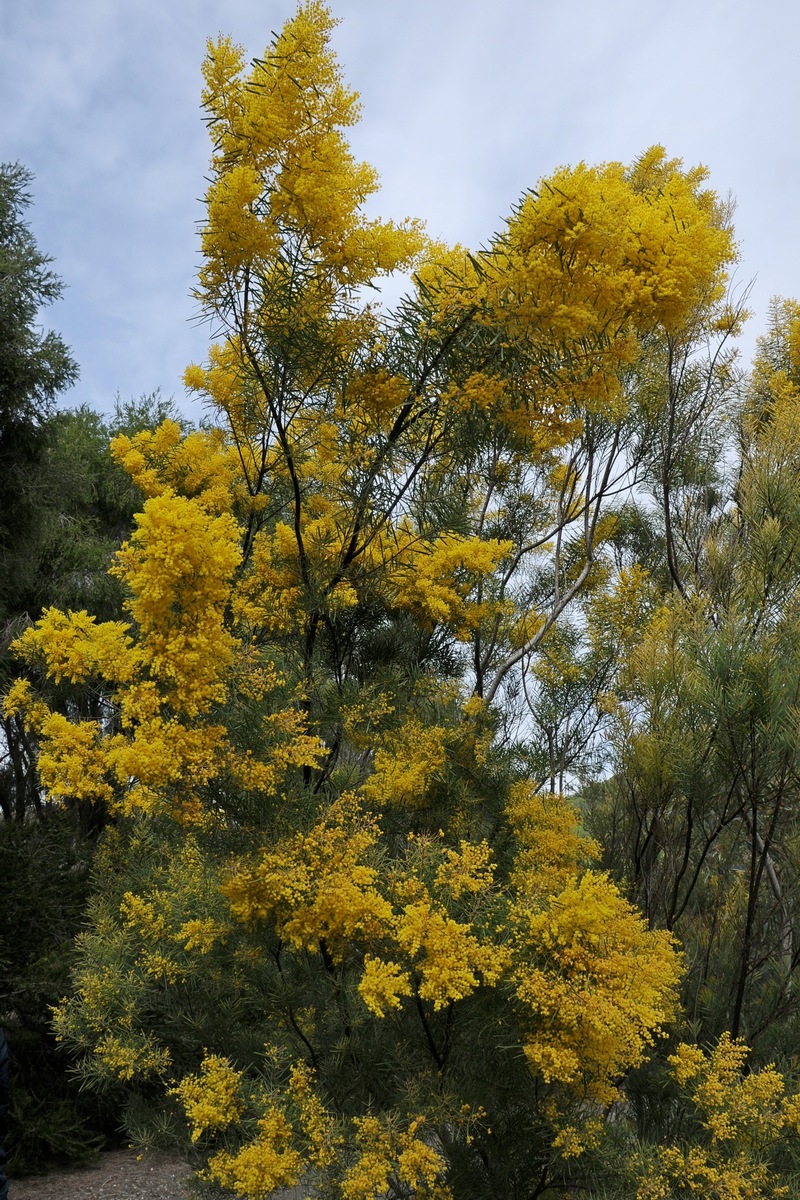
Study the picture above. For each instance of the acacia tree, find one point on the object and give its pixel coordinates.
(339, 929)
(703, 803)
(699, 817)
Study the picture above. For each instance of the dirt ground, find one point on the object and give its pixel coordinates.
(122, 1175)
(118, 1175)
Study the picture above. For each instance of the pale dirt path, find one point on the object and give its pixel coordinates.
(118, 1175)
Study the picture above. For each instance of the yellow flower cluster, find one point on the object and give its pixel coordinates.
(450, 959)
(438, 577)
(594, 983)
(299, 1132)
(211, 1099)
(590, 261)
(387, 1153)
(572, 1140)
(314, 1121)
(132, 1056)
(694, 1174)
(201, 933)
(178, 566)
(72, 762)
(141, 915)
(382, 985)
(407, 761)
(747, 1117)
(648, 242)
(200, 465)
(371, 400)
(538, 428)
(264, 1166)
(292, 1133)
(174, 656)
(75, 647)
(316, 886)
(744, 1109)
(468, 870)
(618, 617)
(550, 845)
(282, 167)
(167, 668)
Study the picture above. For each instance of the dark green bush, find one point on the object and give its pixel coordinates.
(44, 878)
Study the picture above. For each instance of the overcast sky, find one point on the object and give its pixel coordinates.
(465, 104)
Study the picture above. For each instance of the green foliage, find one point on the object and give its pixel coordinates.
(34, 368)
(45, 870)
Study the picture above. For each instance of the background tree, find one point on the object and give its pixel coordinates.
(85, 506)
(34, 369)
(705, 795)
(64, 509)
